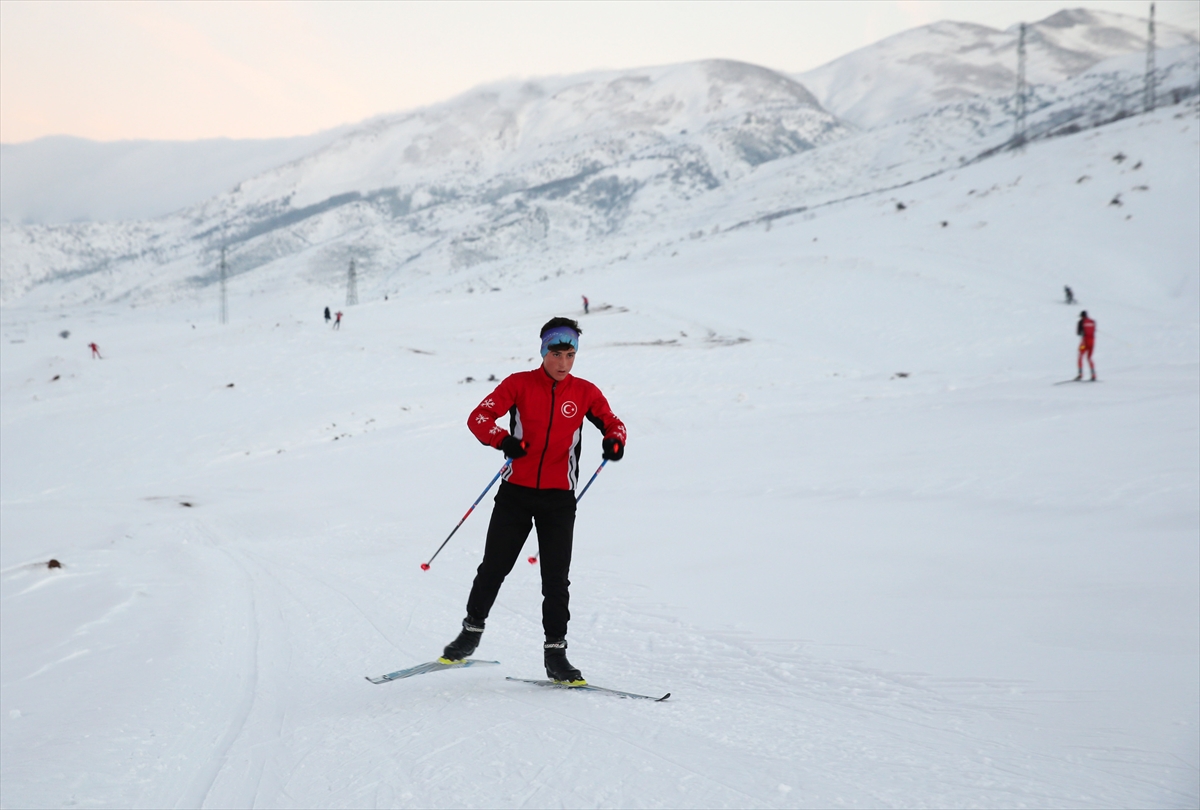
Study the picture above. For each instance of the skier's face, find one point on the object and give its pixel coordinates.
(558, 363)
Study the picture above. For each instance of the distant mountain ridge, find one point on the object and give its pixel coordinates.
(504, 170)
(943, 62)
(65, 179)
(61, 179)
(520, 180)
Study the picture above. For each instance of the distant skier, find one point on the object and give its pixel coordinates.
(546, 408)
(337, 324)
(585, 305)
(1086, 329)
(1070, 296)
(95, 351)
(327, 315)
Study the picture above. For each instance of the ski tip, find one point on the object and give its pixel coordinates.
(664, 697)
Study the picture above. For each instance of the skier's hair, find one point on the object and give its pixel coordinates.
(1083, 314)
(556, 322)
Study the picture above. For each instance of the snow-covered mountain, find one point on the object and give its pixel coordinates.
(64, 179)
(61, 179)
(524, 180)
(918, 69)
(498, 172)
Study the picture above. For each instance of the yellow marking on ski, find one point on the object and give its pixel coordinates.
(445, 660)
(580, 682)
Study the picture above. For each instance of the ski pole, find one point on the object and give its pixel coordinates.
(507, 462)
(578, 498)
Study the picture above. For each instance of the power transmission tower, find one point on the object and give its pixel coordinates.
(1019, 113)
(352, 286)
(1148, 101)
(224, 295)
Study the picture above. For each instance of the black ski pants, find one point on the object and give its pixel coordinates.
(517, 509)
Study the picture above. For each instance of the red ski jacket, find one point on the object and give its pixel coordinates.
(1087, 330)
(548, 416)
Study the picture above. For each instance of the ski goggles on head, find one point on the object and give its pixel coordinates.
(560, 336)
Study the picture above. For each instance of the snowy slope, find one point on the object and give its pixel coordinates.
(962, 587)
(64, 179)
(946, 61)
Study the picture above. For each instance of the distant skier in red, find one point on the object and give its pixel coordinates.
(337, 323)
(95, 351)
(585, 305)
(1086, 329)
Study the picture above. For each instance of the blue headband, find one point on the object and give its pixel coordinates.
(560, 335)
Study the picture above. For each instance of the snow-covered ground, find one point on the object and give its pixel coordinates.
(966, 586)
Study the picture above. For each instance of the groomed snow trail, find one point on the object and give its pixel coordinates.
(963, 587)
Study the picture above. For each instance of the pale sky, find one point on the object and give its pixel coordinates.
(184, 70)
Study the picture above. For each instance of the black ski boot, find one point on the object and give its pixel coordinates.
(558, 668)
(466, 642)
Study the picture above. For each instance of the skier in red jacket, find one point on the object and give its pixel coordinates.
(1086, 329)
(546, 408)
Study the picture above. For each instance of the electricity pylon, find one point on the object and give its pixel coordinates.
(351, 286)
(224, 293)
(1019, 112)
(1148, 101)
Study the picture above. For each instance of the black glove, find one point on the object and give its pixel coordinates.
(512, 446)
(613, 450)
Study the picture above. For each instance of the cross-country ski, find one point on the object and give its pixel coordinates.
(432, 666)
(587, 687)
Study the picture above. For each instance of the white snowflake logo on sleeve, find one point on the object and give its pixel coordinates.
(496, 429)
(488, 403)
(480, 419)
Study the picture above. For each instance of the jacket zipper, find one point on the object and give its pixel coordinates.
(550, 424)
